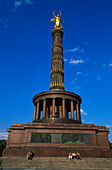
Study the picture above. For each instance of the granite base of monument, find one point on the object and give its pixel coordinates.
(57, 140)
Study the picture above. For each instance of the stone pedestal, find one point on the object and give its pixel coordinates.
(57, 139)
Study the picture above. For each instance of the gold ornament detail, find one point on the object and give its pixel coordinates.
(57, 57)
(57, 69)
(57, 44)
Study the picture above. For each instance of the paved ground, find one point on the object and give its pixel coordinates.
(40, 169)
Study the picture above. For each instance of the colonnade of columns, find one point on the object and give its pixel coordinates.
(36, 115)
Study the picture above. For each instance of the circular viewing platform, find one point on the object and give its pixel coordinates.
(57, 107)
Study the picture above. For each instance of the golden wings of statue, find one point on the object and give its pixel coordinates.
(57, 19)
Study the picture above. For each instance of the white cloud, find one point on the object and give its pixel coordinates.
(74, 80)
(83, 112)
(19, 3)
(79, 73)
(107, 65)
(65, 59)
(3, 134)
(108, 126)
(74, 49)
(77, 87)
(84, 74)
(75, 61)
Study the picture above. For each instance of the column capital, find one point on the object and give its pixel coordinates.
(44, 99)
(53, 97)
(78, 102)
(63, 98)
(37, 101)
(72, 100)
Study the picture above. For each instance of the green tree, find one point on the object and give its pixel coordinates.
(3, 143)
(110, 145)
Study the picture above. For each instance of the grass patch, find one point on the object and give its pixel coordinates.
(3, 143)
(0, 161)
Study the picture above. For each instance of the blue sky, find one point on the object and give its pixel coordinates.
(26, 51)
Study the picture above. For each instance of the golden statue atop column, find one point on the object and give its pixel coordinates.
(57, 19)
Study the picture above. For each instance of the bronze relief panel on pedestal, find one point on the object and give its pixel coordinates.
(60, 138)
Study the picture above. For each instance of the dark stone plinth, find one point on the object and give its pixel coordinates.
(57, 120)
(75, 139)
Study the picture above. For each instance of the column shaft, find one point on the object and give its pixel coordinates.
(44, 108)
(53, 107)
(34, 115)
(72, 110)
(37, 115)
(63, 107)
(78, 115)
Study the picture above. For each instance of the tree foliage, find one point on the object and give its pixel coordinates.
(110, 145)
(3, 143)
